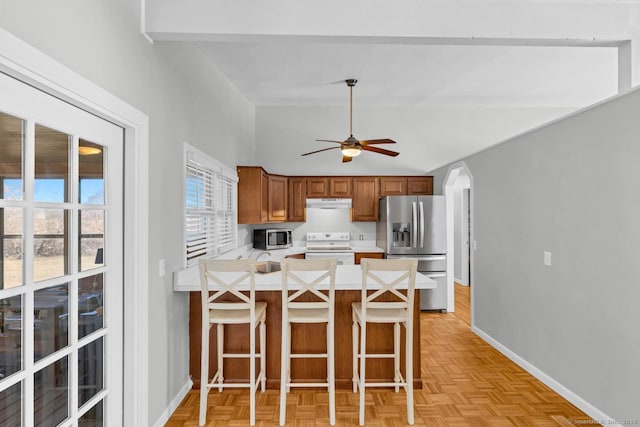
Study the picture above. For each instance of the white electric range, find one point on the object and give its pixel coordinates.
(330, 245)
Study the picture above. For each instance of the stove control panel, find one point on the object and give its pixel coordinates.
(328, 237)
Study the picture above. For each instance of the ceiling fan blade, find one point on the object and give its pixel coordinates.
(377, 141)
(329, 140)
(380, 151)
(346, 159)
(319, 151)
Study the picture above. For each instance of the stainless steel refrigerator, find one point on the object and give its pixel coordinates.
(415, 226)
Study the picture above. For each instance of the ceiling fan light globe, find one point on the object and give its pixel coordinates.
(351, 151)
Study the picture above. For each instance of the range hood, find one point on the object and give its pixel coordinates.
(329, 203)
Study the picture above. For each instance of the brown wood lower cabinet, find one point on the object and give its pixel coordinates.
(309, 337)
(359, 255)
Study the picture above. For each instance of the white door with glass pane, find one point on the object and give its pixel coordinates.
(61, 267)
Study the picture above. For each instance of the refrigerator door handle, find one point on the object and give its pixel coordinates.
(421, 225)
(414, 219)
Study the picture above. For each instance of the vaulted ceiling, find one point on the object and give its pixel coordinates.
(416, 53)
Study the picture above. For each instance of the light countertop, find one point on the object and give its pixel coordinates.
(348, 277)
(188, 279)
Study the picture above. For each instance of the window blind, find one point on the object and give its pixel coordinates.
(210, 208)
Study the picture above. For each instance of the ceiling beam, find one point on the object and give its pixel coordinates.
(469, 22)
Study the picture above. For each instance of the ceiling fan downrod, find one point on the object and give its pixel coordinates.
(351, 83)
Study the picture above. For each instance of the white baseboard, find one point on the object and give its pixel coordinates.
(175, 402)
(563, 391)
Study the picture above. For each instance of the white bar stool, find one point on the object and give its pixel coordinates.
(382, 277)
(224, 276)
(306, 276)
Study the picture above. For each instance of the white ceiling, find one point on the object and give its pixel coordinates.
(297, 73)
(457, 76)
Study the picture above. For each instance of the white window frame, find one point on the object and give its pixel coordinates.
(219, 173)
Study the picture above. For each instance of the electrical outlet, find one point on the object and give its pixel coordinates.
(362, 237)
(547, 258)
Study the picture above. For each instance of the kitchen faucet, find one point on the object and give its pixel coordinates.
(259, 255)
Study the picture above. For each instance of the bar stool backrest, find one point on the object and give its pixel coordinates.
(227, 275)
(383, 277)
(303, 277)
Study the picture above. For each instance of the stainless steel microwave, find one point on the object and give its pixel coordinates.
(277, 238)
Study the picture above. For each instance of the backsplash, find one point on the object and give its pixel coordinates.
(328, 220)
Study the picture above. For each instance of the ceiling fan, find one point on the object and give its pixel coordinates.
(351, 147)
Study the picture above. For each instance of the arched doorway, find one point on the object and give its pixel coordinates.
(457, 188)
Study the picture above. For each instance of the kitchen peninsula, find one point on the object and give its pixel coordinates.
(312, 338)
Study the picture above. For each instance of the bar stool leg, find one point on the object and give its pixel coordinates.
(409, 379)
(331, 373)
(363, 361)
(284, 375)
(289, 358)
(396, 355)
(354, 351)
(252, 374)
(220, 334)
(204, 375)
(263, 355)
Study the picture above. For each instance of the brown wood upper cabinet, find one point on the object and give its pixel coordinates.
(340, 187)
(420, 185)
(317, 187)
(329, 186)
(297, 199)
(278, 196)
(261, 197)
(253, 195)
(393, 186)
(406, 185)
(264, 198)
(365, 198)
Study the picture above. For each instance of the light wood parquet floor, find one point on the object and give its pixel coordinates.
(463, 302)
(466, 383)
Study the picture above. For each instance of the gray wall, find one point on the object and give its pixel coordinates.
(187, 99)
(570, 188)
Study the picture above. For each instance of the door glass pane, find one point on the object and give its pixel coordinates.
(91, 239)
(51, 393)
(50, 243)
(11, 140)
(10, 247)
(91, 173)
(90, 305)
(10, 336)
(52, 165)
(90, 362)
(93, 417)
(11, 406)
(51, 320)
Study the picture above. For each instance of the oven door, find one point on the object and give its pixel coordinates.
(344, 258)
